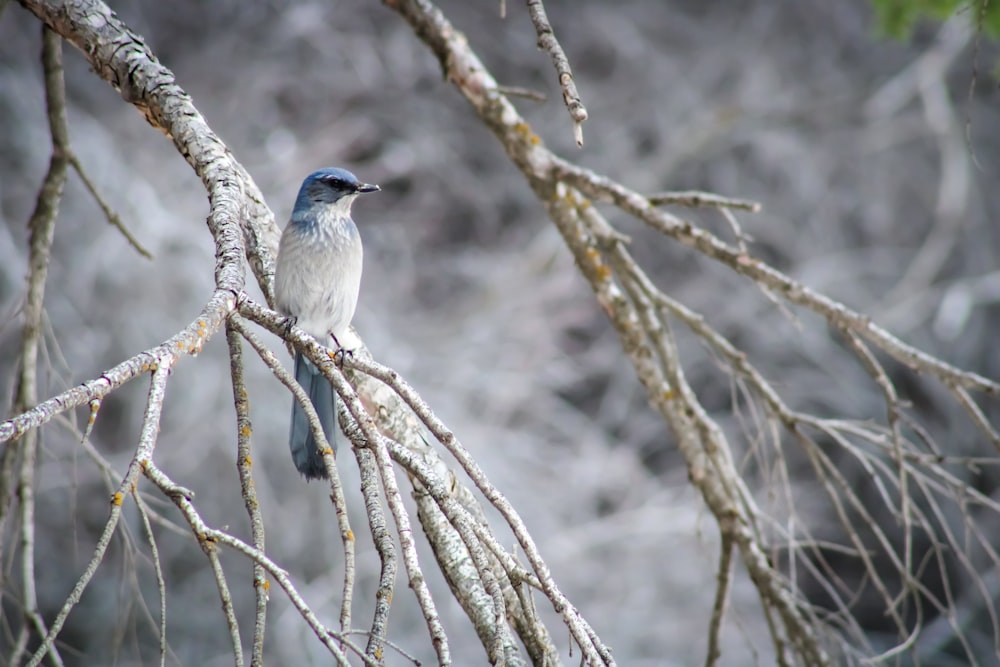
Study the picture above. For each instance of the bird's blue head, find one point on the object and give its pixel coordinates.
(330, 185)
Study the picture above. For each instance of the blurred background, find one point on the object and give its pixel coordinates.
(875, 164)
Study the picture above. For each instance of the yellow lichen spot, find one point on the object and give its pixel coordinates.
(669, 395)
(603, 272)
(585, 203)
(378, 654)
(523, 128)
(143, 464)
(350, 535)
(246, 431)
(117, 499)
(248, 460)
(534, 139)
(266, 585)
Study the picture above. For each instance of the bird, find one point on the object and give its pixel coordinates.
(316, 281)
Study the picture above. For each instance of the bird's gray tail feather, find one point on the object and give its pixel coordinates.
(305, 453)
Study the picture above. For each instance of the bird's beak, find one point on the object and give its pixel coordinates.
(368, 187)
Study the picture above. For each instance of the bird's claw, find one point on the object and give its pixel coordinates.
(339, 355)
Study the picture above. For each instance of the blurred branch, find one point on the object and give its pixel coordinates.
(518, 91)
(109, 212)
(724, 577)
(926, 80)
(638, 310)
(42, 229)
(696, 198)
(836, 313)
(239, 220)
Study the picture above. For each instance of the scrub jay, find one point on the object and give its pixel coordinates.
(316, 281)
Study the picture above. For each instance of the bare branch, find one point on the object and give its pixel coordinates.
(226, 598)
(237, 324)
(181, 498)
(161, 584)
(109, 212)
(547, 40)
(526, 93)
(188, 341)
(724, 577)
(697, 198)
(837, 314)
(244, 464)
(144, 452)
(42, 228)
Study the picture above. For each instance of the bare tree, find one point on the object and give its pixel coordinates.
(753, 483)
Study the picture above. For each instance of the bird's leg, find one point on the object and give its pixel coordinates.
(340, 352)
(290, 322)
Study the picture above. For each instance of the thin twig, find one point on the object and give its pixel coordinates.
(547, 40)
(190, 341)
(244, 465)
(361, 361)
(836, 313)
(227, 599)
(336, 485)
(526, 93)
(42, 227)
(384, 546)
(320, 356)
(723, 577)
(144, 452)
(161, 584)
(976, 413)
(181, 498)
(598, 654)
(404, 532)
(109, 212)
(697, 199)
(489, 619)
(395, 647)
(893, 410)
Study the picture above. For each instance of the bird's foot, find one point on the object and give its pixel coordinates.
(290, 322)
(340, 354)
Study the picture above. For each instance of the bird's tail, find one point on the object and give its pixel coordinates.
(305, 453)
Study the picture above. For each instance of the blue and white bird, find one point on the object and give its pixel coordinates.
(316, 281)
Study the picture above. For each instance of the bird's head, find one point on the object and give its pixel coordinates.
(330, 186)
